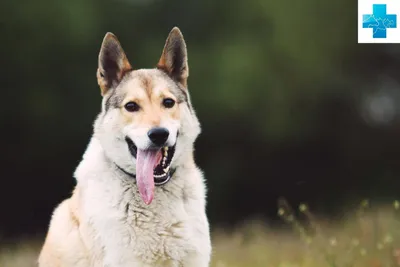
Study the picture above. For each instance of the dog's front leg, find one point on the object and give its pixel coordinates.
(63, 246)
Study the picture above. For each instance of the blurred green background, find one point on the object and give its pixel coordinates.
(289, 103)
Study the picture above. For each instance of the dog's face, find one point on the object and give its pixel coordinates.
(147, 122)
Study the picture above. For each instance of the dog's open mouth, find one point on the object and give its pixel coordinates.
(153, 167)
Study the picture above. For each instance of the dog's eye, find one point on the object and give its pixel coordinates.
(131, 106)
(168, 102)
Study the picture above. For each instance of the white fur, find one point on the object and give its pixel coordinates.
(105, 223)
(116, 229)
(171, 231)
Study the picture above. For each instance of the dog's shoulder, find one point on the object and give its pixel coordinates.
(63, 245)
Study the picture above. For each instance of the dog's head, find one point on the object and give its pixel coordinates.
(147, 125)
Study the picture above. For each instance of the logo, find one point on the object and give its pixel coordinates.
(377, 21)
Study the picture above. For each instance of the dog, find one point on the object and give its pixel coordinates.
(140, 199)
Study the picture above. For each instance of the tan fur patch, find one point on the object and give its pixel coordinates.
(148, 91)
(102, 83)
(112, 60)
(173, 60)
(74, 204)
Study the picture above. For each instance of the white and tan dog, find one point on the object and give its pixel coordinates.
(140, 198)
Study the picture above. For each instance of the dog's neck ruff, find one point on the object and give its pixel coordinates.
(157, 182)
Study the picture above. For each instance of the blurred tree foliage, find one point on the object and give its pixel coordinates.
(276, 85)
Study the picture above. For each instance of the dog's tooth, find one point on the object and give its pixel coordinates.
(166, 148)
(159, 176)
(165, 153)
(166, 169)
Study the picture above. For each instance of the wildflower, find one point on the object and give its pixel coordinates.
(365, 203)
(303, 207)
(388, 239)
(281, 212)
(355, 242)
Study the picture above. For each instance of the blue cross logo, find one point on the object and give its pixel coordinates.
(379, 21)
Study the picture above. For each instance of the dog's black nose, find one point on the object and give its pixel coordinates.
(158, 135)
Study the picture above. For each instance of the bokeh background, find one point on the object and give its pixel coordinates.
(289, 103)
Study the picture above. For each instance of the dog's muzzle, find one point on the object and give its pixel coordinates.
(162, 171)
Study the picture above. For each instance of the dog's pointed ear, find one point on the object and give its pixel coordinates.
(174, 57)
(113, 63)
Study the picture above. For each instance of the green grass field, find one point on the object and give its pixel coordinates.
(364, 238)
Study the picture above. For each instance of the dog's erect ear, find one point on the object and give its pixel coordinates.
(174, 57)
(113, 63)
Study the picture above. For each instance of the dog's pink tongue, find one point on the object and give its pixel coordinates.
(146, 161)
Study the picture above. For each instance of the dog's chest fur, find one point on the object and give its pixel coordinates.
(123, 231)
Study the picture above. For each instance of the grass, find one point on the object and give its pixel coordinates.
(364, 238)
(21, 254)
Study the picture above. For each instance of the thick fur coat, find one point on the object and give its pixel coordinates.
(106, 222)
